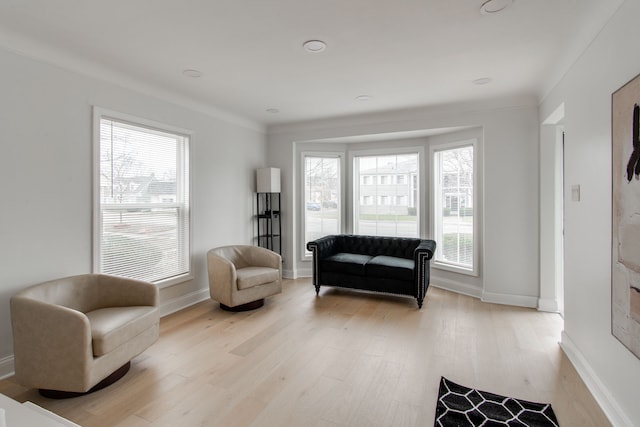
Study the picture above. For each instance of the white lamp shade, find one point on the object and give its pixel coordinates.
(268, 180)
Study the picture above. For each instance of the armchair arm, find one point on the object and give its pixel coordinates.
(221, 270)
(50, 341)
(264, 257)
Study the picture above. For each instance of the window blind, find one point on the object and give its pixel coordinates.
(143, 202)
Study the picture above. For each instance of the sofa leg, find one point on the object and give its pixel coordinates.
(317, 290)
(420, 300)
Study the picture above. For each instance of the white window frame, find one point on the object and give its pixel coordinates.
(435, 206)
(101, 113)
(304, 254)
(355, 193)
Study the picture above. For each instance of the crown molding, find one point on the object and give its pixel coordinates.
(35, 50)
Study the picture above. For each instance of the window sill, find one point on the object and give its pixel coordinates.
(174, 280)
(454, 268)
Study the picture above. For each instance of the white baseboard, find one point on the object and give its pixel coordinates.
(508, 299)
(183, 301)
(600, 392)
(6, 367)
(460, 288)
(548, 305)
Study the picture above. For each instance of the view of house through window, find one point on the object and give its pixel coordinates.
(143, 202)
(454, 206)
(322, 197)
(386, 195)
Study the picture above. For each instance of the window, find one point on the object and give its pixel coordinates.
(382, 217)
(454, 207)
(322, 184)
(142, 201)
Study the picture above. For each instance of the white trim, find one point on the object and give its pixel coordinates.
(333, 154)
(354, 187)
(508, 299)
(36, 51)
(184, 301)
(457, 287)
(548, 305)
(433, 149)
(600, 392)
(184, 156)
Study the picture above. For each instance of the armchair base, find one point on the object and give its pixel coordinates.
(112, 378)
(244, 307)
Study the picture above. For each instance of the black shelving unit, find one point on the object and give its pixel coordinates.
(269, 225)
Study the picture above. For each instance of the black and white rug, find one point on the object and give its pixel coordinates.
(460, 406)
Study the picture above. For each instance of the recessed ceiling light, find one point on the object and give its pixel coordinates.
(272, 110)
(192, 73)
(314, 46)
(482, 81)
(363, 98)
(490, 7)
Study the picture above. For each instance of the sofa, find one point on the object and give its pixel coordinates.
(395, 265)
(78, 334)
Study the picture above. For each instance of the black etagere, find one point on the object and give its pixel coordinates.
(269, 224)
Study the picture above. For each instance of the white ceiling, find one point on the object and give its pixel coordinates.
(402, 53)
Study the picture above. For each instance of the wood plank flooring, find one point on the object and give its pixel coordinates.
(341, 359)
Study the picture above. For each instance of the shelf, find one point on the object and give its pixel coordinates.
(269, 227)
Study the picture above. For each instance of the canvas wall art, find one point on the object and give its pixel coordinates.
(625, 254)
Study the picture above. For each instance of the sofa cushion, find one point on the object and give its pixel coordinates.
(346, 263)
(248, 277)
(111, 327)
(389, 267)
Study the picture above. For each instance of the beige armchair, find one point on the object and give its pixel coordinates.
(78, 334)
(242, 276)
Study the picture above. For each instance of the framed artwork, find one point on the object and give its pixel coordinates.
(625, 251)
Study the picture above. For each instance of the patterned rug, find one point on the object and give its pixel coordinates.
(460, 406)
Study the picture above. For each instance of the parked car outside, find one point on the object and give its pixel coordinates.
(313, 206)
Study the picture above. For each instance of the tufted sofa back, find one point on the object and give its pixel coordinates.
(401, 247)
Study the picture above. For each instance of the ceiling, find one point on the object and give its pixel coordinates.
(401, 53)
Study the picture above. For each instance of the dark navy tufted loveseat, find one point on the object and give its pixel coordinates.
(394, 265)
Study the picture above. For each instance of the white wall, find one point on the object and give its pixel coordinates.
(45, 178)
(509, 259)
(612, 59)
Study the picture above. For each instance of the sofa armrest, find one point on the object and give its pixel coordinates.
(421, 256)
(49, 340)
(425, 248)
(322, 247)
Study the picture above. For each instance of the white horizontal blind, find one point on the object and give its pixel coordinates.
(454, 206)
(322, 184)
(143, 202)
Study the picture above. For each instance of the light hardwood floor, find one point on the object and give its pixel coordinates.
(340, 359)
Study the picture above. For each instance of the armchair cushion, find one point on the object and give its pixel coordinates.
(249, 277)
(114, 326)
